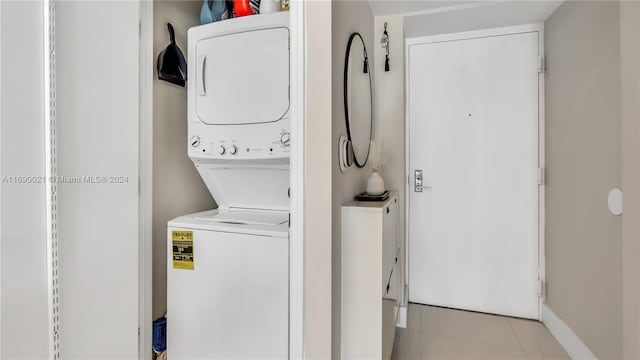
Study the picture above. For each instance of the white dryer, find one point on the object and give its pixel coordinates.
(228, 268)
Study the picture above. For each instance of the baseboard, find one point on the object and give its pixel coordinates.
(402, 317)
(402, 311)
(569, 341)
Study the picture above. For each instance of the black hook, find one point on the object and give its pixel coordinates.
(386, 37)
(172, 33)
(365, 66)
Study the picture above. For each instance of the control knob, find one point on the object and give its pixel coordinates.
(221, 150)
(285, 138)
(195, 141)
(233, 150)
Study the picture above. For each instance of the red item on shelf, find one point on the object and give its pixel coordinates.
(242, 7)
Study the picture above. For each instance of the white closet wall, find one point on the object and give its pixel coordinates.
(97, 101)
(23, 281)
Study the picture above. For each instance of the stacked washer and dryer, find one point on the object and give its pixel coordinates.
(228, 268)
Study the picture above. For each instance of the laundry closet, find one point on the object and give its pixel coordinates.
(238, 139)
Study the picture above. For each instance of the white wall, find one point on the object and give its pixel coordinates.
(97, 129)
(389, 119)
(584, 161)
(24, 311)
(348, 16)
(317, 181)
(630, 79)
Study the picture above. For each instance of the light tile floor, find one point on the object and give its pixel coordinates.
(441, 333)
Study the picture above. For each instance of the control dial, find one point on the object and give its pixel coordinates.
(285, 138)
(233, 150)
(221, 150)
(195, 141)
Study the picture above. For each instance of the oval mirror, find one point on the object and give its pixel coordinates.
(358, 99)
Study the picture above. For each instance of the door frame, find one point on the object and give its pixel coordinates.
(145, 180)
(475, 34)
(298, 44)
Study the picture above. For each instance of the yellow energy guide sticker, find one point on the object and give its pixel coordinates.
(182, 249)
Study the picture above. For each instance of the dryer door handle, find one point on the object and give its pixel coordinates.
(202, 63)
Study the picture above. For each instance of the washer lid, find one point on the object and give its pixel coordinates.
(247, 217)
(228, 221)
(262, 184)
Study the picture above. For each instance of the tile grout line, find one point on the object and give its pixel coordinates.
(422, 331)
(526, 353)
(422, 308)
(464, 339)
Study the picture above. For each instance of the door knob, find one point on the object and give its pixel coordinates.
(419, 182)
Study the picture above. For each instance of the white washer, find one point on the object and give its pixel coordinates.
(228, 269)
(234, 303)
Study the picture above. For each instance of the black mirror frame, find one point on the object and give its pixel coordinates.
(367, 70)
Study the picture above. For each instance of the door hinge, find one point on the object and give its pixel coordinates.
(540, 287)
(541, 64)
(541, 176)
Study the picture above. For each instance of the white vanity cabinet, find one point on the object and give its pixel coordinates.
(371, 276)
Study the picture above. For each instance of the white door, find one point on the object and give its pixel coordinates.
(473, 132)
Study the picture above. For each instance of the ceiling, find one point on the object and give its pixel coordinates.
(410, 7)
(479, 15)
(430, 7)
